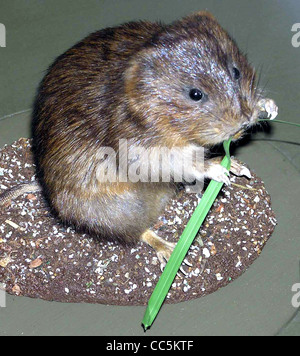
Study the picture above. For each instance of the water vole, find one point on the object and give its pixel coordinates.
(183, 85)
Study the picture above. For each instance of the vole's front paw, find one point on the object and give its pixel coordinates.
(268, 106)
(218, 173)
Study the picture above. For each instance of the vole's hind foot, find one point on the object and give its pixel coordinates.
(163, 248)
(269, 107)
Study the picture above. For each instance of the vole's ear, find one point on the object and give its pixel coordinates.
(142, 65)
(203, 14)
(139, 67)
(131, 77)
(199, 16)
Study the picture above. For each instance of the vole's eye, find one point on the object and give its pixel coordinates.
(236, 73)
(196, 94)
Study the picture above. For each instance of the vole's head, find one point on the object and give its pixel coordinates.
(192, 84)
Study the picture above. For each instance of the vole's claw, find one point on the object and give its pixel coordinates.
(218, 173)
(182, 271)
(164, 255)
(186, 262)
(238, 169)
(163, 249)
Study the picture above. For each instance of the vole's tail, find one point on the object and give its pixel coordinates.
(15, 192)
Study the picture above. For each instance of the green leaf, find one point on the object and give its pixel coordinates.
(281, 122)
(162, 287)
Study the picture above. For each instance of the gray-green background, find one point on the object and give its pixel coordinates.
(259, 302)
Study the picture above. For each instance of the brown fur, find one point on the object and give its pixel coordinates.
(133, 82)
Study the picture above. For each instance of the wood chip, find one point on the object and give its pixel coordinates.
(35, 263)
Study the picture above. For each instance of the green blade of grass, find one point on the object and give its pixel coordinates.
(281, 122)
(163, 285)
